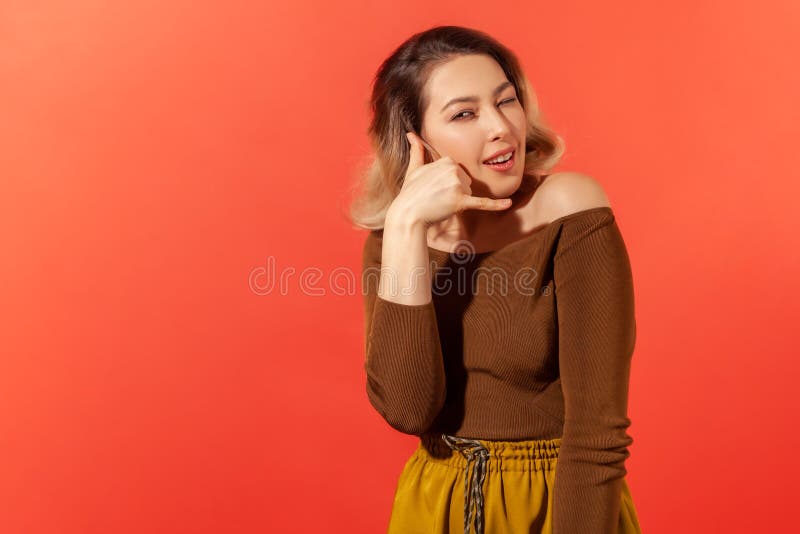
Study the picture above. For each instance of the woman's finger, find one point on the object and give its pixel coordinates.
(484, 203)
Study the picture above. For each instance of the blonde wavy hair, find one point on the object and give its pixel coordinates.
(397, 103)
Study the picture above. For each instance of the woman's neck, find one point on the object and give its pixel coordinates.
(472, 225)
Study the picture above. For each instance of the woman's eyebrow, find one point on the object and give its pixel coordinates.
(475, 98)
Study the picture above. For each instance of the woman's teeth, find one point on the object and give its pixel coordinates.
(503, 163)
(501, 159)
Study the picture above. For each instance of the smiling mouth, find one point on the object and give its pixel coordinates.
(504, 166)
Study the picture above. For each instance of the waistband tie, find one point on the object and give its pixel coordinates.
(471, 449)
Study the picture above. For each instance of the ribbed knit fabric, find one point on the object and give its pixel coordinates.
(537, 345)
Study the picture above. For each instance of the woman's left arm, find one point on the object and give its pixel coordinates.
(596, 338)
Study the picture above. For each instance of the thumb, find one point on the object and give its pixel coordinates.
(417, 155)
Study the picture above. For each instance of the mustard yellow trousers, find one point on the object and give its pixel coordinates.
(508, 487)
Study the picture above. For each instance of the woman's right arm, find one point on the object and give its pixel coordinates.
(404, 364)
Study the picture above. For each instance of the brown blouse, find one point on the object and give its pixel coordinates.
(531, 341)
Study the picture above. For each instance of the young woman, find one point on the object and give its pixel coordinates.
(498, 300)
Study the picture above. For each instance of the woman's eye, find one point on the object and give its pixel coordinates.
(458, 116)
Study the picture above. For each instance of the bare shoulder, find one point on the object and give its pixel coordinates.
(567, 192)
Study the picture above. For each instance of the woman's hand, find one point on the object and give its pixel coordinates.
(434, 191)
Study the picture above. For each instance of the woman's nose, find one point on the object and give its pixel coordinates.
(497, 125)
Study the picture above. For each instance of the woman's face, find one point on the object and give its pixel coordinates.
(485, 117)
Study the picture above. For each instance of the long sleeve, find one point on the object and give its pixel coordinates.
(404, 364)
(596, 338)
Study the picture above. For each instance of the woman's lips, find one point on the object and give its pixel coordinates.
(506, 165)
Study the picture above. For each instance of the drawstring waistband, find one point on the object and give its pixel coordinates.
(471, 449)
(490, 455)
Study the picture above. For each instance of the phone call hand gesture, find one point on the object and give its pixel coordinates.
(434, 191)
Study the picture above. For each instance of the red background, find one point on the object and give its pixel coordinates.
(154, 155)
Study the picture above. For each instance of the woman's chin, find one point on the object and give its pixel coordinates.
(500, 188)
